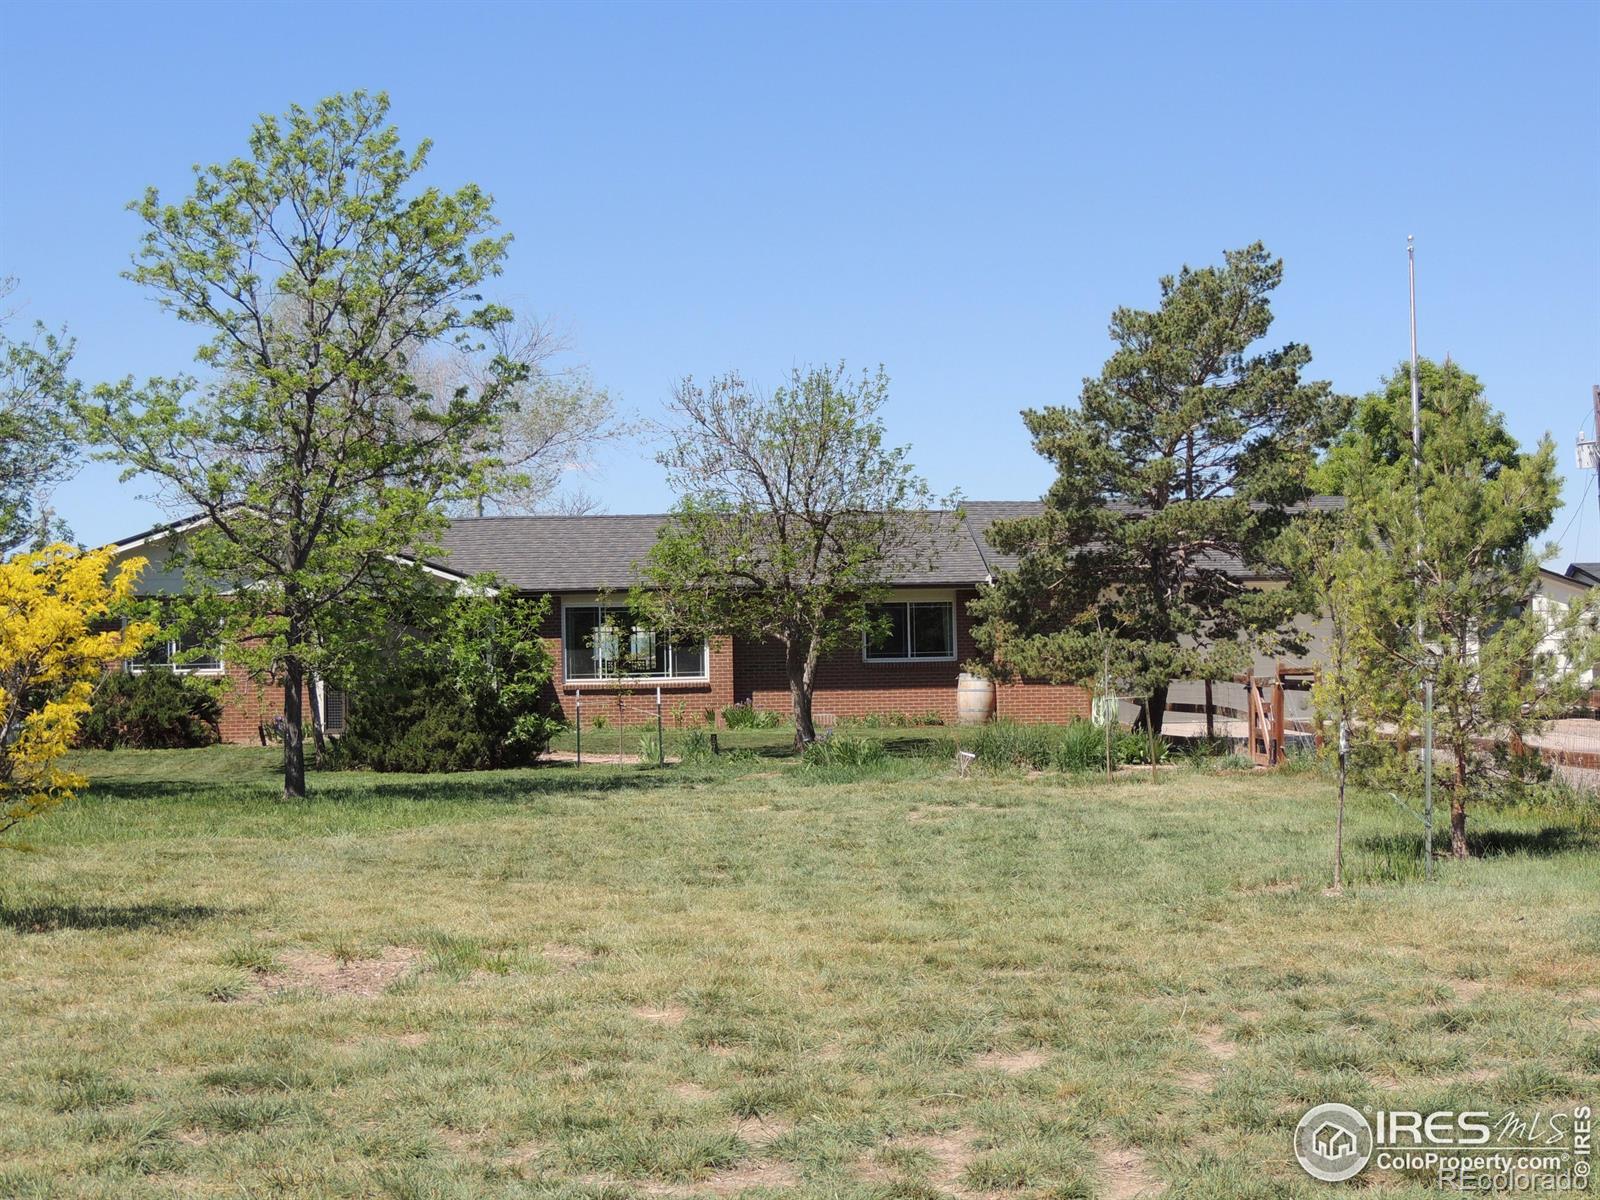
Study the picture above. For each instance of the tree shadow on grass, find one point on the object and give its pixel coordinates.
(1546, 842)
(135, 788)
(1540, 843)
(518, 787)
(910, 746)
(48, 917)
(334, 787)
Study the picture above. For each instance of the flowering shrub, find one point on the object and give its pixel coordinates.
(54, 644)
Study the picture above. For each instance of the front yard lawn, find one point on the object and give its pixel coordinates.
(757, 975)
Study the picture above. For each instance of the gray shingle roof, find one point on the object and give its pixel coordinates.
(1584, 572)
(602, 553)
(552, 554)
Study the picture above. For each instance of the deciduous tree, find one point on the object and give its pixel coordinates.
(1333, 561)
(792, 515)
(323, 272)
(37, 445)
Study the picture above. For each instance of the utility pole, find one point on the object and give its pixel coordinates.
(1589, 450)
(1416, 482)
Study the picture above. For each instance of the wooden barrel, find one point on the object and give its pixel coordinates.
(974, 699)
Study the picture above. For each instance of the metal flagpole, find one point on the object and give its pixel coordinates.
(1416, 482)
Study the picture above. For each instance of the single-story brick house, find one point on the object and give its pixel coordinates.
(585, 563)
(580, 560)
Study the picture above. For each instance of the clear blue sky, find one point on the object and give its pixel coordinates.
(962, 193)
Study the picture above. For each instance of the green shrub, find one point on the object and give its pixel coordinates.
(414, 722)
(892, 720)
(469, 691)
(1132, 748)
(695, 747)
(1007, 744)
(747, 716)
(1301, 760)
(845, 752)
(153, 710)
(1082, 748)
(1220, 764)
(649, 750)
(1197, 749)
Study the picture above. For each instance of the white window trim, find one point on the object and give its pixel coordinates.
(620, 681)
(917, 597)
(137, 668)
(178, 668)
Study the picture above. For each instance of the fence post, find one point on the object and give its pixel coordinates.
(579, 694)
(661, 745)
(1277, 720)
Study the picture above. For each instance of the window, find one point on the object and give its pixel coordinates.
(913, 630)
(333, 707)
(186, 654)
(604, 643)
(179, 650)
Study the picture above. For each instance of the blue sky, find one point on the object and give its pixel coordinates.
(960, 192)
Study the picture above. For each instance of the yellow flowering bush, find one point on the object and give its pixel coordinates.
(54, 605)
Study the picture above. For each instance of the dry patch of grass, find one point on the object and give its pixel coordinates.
(568, 958)
(1011, 1062)
(1125, 1175)
(731, 1181)
(1216, 1043)
(761, 1130)
(939, 1159)
(330, 975)
(670, 1015)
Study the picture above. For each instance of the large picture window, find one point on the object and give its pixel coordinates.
(604, 642)
(914, 630)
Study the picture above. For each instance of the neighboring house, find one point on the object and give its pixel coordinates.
(586, 564)
(1560, 590)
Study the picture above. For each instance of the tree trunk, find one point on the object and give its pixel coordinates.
(1154, 711)
(1338, 821)
(801, 667)
(294, 751)
(1211, 714)
(1458, 809)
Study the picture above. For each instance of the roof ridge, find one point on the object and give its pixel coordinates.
(559, 517)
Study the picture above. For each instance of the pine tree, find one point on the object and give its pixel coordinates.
(1181, 461)
(1466, 560)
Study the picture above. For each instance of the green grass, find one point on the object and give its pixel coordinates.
(777, 742)
(804, 980)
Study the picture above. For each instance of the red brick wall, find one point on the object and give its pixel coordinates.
(247, 705)
(848, 686)
(1032, 703)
